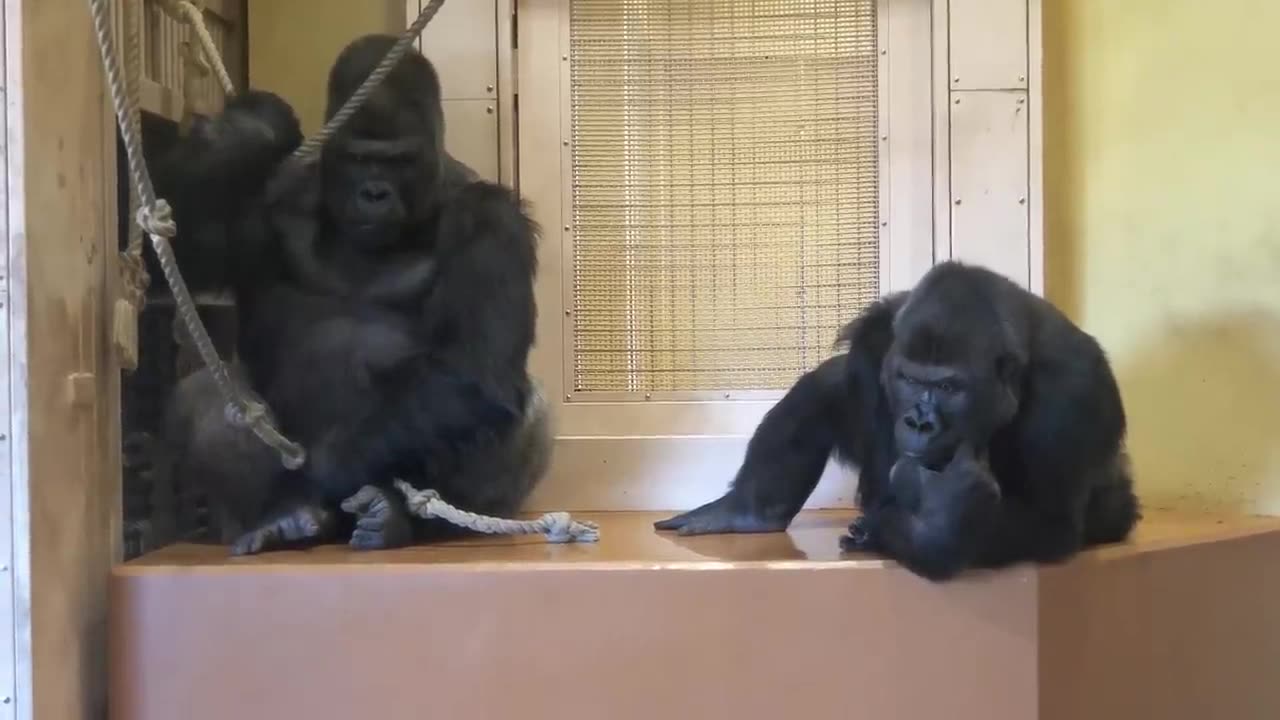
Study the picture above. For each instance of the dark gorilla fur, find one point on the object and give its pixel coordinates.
(986, 427)
(385, 309)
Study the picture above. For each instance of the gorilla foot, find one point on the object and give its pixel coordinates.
(861, 536)
(304, 523)
(382, 520)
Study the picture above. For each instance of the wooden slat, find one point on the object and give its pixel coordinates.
(65, 469)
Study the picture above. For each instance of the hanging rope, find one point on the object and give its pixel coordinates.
(558, 527)
(154, 217)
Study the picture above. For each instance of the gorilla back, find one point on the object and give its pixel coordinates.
(987, 429)
(386, 311)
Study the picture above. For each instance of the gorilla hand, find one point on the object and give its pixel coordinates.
(928, 511)
(303, 523)
(724, 515)
(382, 520)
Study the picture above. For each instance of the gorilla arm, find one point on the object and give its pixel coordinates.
(837, 406)
(214, 179)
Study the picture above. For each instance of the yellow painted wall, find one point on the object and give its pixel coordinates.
(1163, 236)
(292, 43)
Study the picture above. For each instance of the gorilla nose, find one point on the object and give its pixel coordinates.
(375, 194)
(921, 422)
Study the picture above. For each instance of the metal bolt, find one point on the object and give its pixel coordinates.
(957, 201)
(565, 143)
(884, 137)
(1022, 78)
(568, 312)
(884, 223)
(4, 568)
(648, 396)
(564, 57)
(489, 88)
(1021, 100)
(955, 79)
(489, 109)
(7, 700)
(883, 51)
(566, 397)
(957, 101)
(566, 228)
(1022, 201)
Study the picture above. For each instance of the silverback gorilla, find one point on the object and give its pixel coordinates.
(986, 427)
(385, 313)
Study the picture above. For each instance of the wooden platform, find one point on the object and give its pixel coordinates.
(1183, 622)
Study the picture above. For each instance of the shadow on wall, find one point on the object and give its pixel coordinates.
(1062, 165)
(1204, 406)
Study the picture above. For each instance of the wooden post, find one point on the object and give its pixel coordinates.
(60, 448)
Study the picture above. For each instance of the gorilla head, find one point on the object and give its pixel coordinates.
(953, 373)
(383, 170)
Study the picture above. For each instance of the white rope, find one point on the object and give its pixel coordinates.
(311, 147)
(194, 16)
(558, 527)
(155, 217)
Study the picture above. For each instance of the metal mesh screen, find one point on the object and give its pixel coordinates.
(725, 188)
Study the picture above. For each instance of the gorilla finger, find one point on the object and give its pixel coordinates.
(849, 543)
(251, 543)
(372, 522)
(675, 522)
(367, 540)
(361, 501)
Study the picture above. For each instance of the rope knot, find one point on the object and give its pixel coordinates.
(418, 500)
(245, 416)
(158, 219)
(560, 527)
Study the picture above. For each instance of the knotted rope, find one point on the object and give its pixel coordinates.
(558, 527)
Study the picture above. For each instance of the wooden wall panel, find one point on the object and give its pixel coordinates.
(64, 381)
(989, 181)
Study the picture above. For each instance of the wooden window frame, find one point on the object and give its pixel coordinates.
(960, 181)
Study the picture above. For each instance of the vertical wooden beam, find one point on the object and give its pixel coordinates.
(63, 380)
(990, 129)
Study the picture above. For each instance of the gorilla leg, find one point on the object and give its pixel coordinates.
(1113, 508)
(241, 475)
(493, 478)
(228, 463)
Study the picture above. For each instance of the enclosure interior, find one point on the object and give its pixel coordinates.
(721, 179)
(175, 85)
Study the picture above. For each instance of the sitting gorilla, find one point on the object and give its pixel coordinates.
(987, 429)
(385, 311)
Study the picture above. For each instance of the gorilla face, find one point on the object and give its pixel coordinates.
(937, 407)
(374, 187)
(932, 404)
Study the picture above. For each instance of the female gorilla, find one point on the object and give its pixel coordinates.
(986, 427)
(385, 307)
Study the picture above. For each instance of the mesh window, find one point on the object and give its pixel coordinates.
(725, 189)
